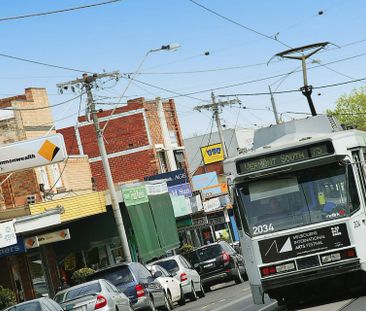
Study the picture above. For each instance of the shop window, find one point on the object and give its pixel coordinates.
(38, 275)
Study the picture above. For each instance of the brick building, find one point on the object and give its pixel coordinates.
(133, 140)
(28, 117)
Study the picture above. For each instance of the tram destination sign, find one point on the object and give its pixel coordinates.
(285, 157)
(304, 243)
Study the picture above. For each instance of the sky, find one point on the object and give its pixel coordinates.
(117, 36)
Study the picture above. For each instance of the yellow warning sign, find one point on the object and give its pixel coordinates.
(48, 150)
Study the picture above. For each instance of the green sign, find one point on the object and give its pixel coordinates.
(285, 157)
(134, 195)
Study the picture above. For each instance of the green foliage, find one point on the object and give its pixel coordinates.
(80, 275)
(350, 109)
(7, 298)
(185, 249)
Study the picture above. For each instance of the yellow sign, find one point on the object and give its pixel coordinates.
(212, 153)
(48, 150)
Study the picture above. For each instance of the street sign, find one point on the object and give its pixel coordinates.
(32, 153)
(7, 234)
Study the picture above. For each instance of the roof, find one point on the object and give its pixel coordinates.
(77, 286)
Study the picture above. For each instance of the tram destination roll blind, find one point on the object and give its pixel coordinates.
(285, 157)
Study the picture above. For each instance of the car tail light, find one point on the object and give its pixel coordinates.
(139, 290)
(101, 302)
(281, 268)
(183, 277)
(225, 257)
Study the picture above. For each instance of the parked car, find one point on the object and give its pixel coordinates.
(137, 283)
(39, 304)
(94, 295)
(217, 263)
(183, 271)
(172, 287)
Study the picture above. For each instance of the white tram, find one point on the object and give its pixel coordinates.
(300, 197)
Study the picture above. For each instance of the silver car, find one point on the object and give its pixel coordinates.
(98, 295)
(181, 269)
(40, 304)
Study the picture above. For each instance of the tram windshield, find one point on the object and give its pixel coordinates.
(298, 198)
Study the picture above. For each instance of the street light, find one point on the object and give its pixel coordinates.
(168, 47)
(299, 54)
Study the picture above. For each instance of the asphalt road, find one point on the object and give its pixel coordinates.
(228, 297)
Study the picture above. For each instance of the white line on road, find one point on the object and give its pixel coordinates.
(268, 307)
(231, 303)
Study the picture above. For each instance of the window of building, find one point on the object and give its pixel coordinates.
(179, 158)
(43, 177)
(162, 161)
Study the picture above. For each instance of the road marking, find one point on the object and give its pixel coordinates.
(268, 306)
(211, 304)
(222, 300)
(246, 289)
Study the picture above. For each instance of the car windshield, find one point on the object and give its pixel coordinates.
(118, 276)
(169, 265)
(206, 253)
(73, 293)
(299, 198)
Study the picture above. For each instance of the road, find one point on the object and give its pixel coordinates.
(228, 297)
(231, 297)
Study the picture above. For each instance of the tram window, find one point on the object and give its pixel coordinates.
(354, 203)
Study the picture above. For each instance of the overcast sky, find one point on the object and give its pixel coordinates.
(116, 36)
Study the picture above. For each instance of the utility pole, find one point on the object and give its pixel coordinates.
(274, 106)
(215, 108)
(87, 82)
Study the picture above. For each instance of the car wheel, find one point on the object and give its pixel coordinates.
(238, 278)
(193, 295)
(182, 300)
(201, 293)
(151, 305)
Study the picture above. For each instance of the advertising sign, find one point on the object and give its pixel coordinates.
(172, 178)
(56, 236)
(32, 153)
(7, 234)
(134, 195)
(212, 153)
(304, 243)
(180, 206)
(182, 189)
(13, 249)
(212, 205)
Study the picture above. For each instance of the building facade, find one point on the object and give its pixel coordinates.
(135, 141)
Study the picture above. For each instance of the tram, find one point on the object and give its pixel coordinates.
(299, 197)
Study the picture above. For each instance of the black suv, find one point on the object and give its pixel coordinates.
(137, 283)
(217, 263)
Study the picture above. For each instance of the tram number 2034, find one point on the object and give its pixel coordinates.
(262, 229)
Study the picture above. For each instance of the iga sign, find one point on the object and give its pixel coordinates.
(212, 153)
(303, 243)
(32, 153)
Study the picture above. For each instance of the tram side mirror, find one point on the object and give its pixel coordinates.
(157, 274)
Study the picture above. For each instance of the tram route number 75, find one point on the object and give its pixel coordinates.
(262, 229)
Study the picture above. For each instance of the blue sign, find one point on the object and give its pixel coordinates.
(182, 189)
(172, 178)
(13, 249)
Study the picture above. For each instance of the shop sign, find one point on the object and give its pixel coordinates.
(200, 221)
(212, 153)
(180, 206)
(156, 188)
(13, 249)
(196, 203)
(47, 238)
(7, 234)
(212, 205)
(32, 153)
(134, 195)
(304, 243)
(172, 178)
(181, 189)
(216, 221)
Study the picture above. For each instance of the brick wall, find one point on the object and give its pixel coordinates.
(212, 167)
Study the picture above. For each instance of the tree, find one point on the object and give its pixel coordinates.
(351, 108)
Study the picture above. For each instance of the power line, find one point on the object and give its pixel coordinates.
(238, 24)
(3, 19)
(41, 108)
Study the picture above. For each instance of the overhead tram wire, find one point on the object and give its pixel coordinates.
(239, 24)
(3, 19)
